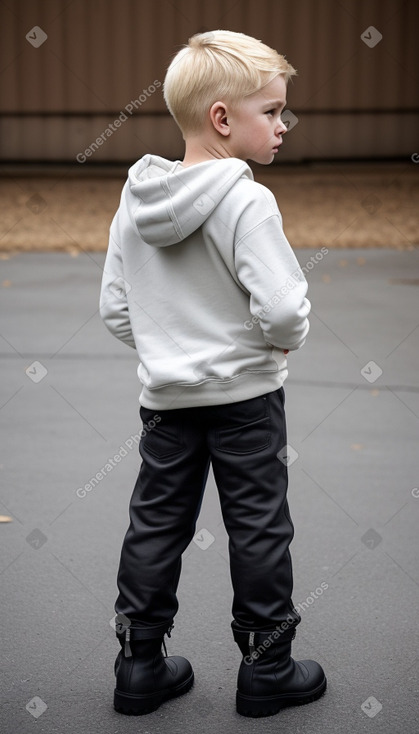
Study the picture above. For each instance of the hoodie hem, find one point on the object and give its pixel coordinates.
(212, 393)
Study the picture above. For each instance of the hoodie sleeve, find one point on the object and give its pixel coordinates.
(268, 269)
(113, 296)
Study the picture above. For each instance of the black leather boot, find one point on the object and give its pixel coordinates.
(269, 679)
(144, 678)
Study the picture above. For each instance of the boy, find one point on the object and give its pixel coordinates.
(201, 280)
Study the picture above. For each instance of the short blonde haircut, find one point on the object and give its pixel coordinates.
(218, 65)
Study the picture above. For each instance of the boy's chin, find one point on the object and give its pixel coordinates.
(265, 160)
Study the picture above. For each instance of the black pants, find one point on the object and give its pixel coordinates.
(242, 441)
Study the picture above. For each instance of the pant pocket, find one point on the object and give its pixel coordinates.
(164, 441)
(249, 430)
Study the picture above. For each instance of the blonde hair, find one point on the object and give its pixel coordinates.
(218, 65)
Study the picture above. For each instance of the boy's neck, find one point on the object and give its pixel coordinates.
(199, 151)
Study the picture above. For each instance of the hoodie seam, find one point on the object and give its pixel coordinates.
(215, 380)
(115, 242)
(271, 216)
(171, 212)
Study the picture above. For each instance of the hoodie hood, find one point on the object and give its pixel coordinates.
(168, 202)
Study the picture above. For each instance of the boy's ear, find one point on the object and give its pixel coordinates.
(218, 117)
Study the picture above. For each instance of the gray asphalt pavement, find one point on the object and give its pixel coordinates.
(69, 403)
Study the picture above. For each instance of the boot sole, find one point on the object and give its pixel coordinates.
(257, 706)
(132, 704)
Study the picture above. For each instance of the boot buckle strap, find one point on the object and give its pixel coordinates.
(251, 643)
(127, 646)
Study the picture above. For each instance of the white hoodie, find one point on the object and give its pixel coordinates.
(201, 280)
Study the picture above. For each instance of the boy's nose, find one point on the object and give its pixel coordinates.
(282, 128)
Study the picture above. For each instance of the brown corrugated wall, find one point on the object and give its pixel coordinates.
(354, 97)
